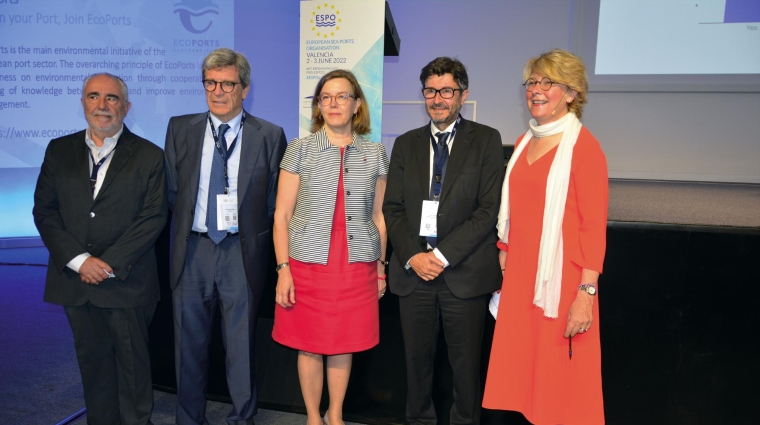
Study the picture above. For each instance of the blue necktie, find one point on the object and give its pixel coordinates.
(440, 155)
(216, 186)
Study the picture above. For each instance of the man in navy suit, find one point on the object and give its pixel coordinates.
(222, 171)
(99, 205)
(440, 207)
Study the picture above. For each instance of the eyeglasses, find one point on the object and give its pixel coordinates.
(340, 99)
(446, 92)
(227, 86)
(545, 83)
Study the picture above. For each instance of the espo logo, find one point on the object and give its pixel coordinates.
(193, 12)
(325, 20)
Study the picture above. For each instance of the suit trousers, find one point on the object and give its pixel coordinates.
(114, 362)
(214, 276)
(463, 320)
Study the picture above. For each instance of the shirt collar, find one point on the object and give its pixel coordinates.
(108, 143)
(234, 123)
(434, 130)
(323, 144)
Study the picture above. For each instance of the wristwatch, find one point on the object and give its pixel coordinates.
(281, 266)
(588, 288)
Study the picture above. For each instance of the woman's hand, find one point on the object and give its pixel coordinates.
(381, 286)
(286, 291)
(502, 260)
(580, 317)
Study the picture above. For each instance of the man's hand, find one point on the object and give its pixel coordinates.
(94, 270)
(426, 265)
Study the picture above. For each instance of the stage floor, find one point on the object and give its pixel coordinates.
(718, 206)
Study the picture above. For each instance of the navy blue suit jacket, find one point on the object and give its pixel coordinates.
(261, 151)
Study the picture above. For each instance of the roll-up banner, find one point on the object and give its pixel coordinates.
(343, 34)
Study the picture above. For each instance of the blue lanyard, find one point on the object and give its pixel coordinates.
(222, 148)
(439, 161)
(96, 167)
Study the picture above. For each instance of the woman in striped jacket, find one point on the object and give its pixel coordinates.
(329, 237)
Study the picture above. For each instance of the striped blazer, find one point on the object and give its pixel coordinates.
(317, 164)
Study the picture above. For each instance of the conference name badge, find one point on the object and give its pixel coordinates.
(227, 213)
(429, 220)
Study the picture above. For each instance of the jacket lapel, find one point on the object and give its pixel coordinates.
(121, 156)
(462, 143)
(249, 153)
(81, 154)
(196, 132)
(422, 152)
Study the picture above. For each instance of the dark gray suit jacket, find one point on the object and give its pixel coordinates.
(467, 211)
(120, 226)
(261, 151)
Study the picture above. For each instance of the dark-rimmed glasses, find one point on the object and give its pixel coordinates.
(446, 92)
(545, 83)
(227, 86)
(340, 98)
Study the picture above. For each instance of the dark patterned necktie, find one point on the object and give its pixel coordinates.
(440, 155)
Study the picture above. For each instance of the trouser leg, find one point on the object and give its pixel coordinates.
(129, 327)
(194, 300)
(97, 363)
(463, 320)
(239, 308)
(419, 324)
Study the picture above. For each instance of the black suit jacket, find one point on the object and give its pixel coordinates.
(467, 210)
(120, 226)
(261, 151)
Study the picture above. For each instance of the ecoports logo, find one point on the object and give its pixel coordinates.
(194, 13)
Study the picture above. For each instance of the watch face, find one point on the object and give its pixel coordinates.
(591, 290)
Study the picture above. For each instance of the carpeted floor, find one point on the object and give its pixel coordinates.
(39, 376)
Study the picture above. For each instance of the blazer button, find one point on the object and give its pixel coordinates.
(346, 169)
(187, 238)
(348, 218)
(92, 214)
(129, 267)
(348, 193)
(350, 237)
(192, 212)
(89, 245)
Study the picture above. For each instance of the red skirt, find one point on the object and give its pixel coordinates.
(336, 309)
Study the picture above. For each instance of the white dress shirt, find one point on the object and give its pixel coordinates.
(207, 155)
(449, 143)
(96, 153)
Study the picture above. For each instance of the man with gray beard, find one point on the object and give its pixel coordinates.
(99, 205)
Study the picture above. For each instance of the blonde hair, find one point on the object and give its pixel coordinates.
(565, 68)
(360, 123)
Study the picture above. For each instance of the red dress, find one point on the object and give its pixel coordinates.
(530, 370)
(336, 309)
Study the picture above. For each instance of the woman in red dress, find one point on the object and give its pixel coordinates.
(329, 238)
(545, 359)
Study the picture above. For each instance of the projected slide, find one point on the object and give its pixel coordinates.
(678, 37)
(47, 49)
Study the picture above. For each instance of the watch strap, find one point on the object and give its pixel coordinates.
(589, 288)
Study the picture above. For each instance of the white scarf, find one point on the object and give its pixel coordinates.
(549, 273)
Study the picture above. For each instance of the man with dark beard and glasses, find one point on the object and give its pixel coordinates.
(99, 205)
(440, 208)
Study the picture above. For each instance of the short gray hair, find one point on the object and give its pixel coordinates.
(224, 57)
(124, 90)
